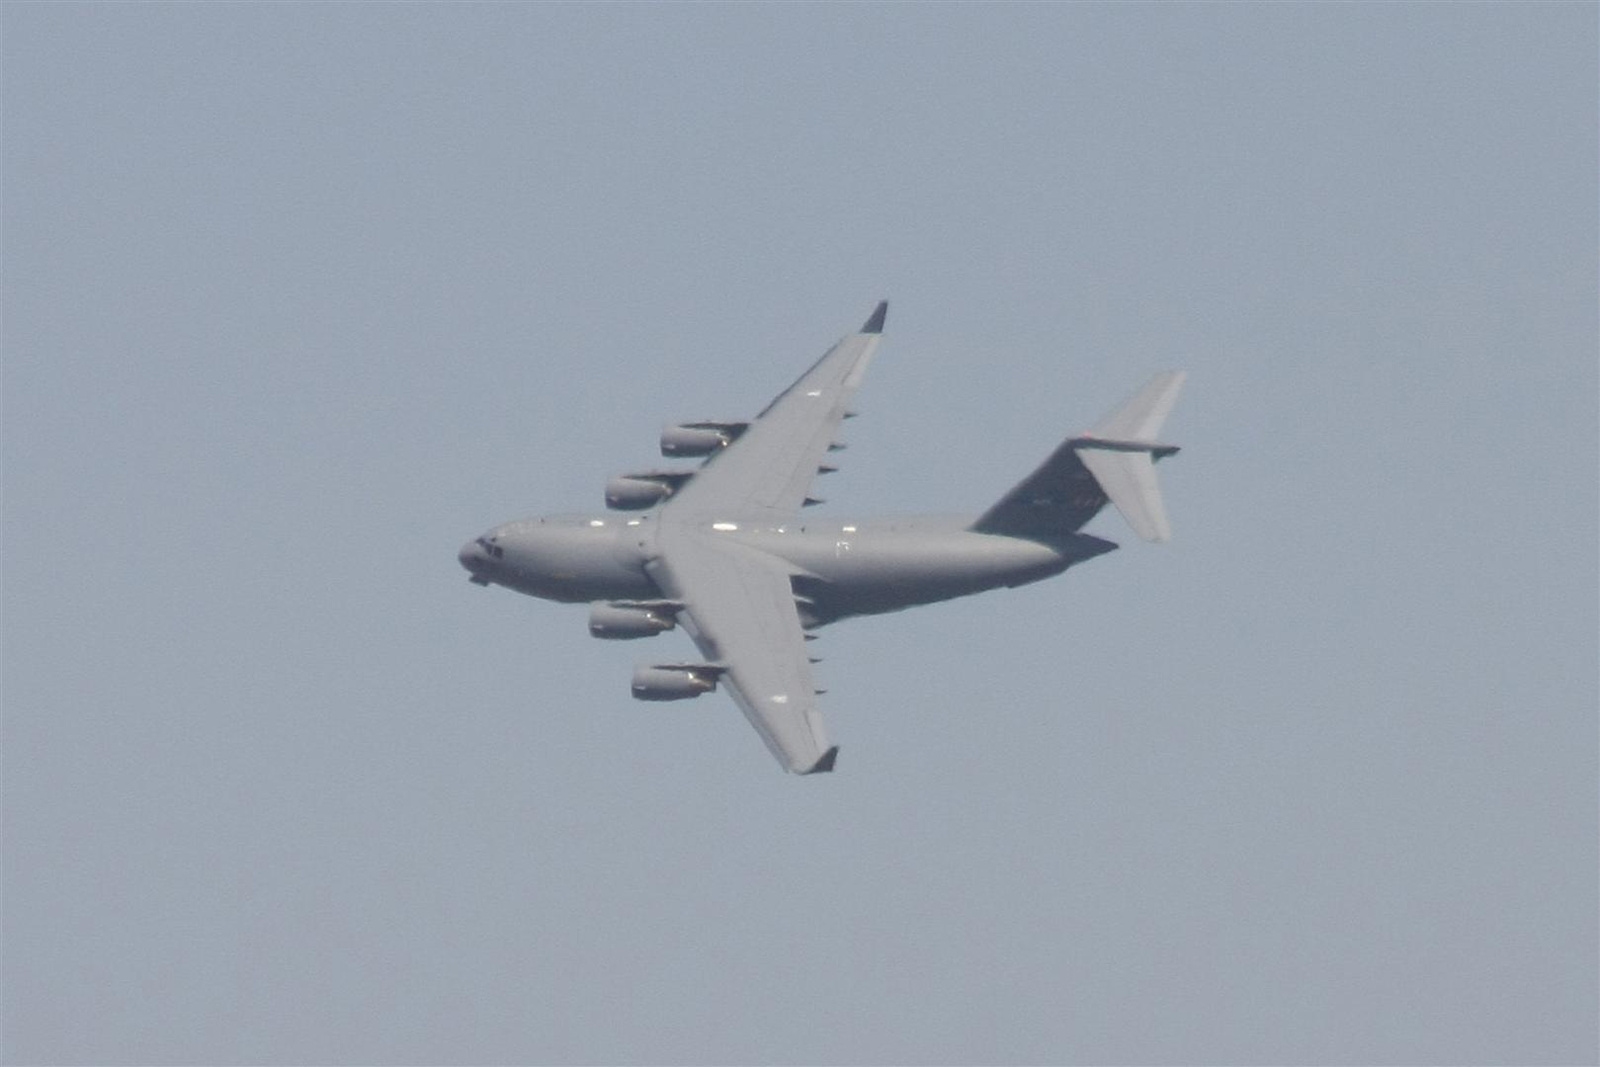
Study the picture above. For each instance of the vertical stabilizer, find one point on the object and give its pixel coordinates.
(1121, 452)
(1113, 462)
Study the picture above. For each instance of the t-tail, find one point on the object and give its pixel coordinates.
(1121, 452)
(1114, 461)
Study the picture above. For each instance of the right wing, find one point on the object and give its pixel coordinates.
(769, 467)
(739, 608)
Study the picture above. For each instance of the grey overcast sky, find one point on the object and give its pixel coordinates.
(297, 298)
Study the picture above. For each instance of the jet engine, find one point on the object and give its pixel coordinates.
(643, 489)
(674, 681)
(624, 619)
(699, 438)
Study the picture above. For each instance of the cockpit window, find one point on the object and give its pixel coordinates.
(489, 546)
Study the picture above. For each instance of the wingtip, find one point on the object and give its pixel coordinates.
(875, 323)
(825, 764)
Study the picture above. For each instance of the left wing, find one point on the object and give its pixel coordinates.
(770, 466)
(740, 610)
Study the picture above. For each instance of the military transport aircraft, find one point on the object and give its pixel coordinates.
(722, 548)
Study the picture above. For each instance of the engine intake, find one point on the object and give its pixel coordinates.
(643, 489)
(624, 620)
(674, 681)
(699, 438)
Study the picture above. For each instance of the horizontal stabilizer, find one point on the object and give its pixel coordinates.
(1140, 419)
(1113, 462)
(1121, 452)
(1129, 481)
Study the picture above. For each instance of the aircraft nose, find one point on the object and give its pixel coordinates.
(468, 556)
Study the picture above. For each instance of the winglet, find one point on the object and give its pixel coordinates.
(875, 323)
(825, 763)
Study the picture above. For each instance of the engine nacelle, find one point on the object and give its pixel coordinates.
(674, 681)
(625, 620)
(699, 438)
(643, 489)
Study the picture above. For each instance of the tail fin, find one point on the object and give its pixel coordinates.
(1114, 461)
(1121, 452)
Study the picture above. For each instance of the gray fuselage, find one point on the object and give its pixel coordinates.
(841, 568)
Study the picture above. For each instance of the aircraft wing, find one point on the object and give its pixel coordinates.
(769, 467)
(740, 610)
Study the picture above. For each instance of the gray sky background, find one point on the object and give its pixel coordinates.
(298, 298)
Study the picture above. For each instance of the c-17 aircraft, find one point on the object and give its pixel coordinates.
(723, 551)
